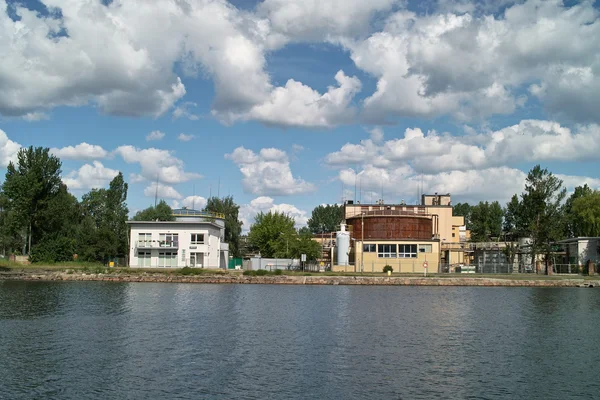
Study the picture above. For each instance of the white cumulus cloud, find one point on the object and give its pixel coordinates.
(155, 135)
(268, 172)
(82, 151)
(90, 176)
(8, 149)
(265, 204)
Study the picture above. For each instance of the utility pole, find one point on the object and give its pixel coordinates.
(362, 241)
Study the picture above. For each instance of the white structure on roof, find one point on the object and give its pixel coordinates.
(194, 239)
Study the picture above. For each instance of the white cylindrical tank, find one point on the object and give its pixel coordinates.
(342, 244)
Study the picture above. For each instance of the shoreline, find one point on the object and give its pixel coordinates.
(53, 276)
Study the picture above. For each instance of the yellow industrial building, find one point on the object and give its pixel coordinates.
(409, 238)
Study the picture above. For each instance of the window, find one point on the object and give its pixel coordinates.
(407, 251)
(169, 240)
(424, 248)
(144, 239)
(197, 238)
(144, 259)
(453, 234)
(386, 250)
(167, 259)
(369, 248)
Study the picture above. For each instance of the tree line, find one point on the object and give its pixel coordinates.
(543, 213)
(40, 218)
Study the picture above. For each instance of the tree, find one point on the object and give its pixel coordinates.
(306, 245)
(573, 223)
(486, 221)
(105, 221)
(513, 224)
(326, 218)
(29, 186)
(541, 209)
(162, 212)
(272, 233)
(464, 210)
(586, 211)
(233, 226)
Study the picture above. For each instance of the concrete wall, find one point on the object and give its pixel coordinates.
(587, 249)
(210, 249)
(270, 264)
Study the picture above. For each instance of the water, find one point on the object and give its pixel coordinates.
(93, 340)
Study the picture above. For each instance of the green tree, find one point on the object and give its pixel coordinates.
(326, 218)
(233, 226)
(464, 210)
(486, 221)
(586, 211)
(306, 245)
(105, 233)
(30, 186)
(541, 209)
(272, 234)
(573, 222)
(162, 212)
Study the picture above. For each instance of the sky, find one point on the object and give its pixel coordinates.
(288, 104)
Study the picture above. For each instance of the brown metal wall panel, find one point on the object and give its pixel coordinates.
(392, 228)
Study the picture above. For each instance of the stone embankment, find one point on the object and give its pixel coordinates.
(298, 280)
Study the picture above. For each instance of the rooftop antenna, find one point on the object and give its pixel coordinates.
(193, 196)
(360, 184)
(209, 191)
(219, 188)
(156, 191)
(355, 176)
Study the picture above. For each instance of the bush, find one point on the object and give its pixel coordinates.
(278, 272)
(261, 272)
(187, 271)
(388, 268)
(54, 250)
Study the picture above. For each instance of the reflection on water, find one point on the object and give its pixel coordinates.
(78, 340)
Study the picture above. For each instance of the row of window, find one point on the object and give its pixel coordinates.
(397, 250)
(168, 238)
(169, 259)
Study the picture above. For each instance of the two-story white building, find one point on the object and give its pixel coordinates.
(194, 239)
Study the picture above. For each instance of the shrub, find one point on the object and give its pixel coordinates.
(261, 272)
(388, 268)
(187, 271)
(278, 272)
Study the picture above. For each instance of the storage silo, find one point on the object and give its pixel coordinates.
(342, 242)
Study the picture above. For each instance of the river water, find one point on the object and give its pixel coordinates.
(94, 340)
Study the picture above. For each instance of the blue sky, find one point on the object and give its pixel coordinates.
(289, 103)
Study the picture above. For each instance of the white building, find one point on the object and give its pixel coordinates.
(194, 239)
(581, 249)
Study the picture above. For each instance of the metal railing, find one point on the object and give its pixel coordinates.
(196, 213)
(157, 244)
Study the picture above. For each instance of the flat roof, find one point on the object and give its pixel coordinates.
(577, 239)
(131, 222)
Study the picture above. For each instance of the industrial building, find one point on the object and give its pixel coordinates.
(193, 239)
(409, 238)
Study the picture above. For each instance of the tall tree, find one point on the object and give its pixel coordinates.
(233, 226)
(464, 210)
(573, 223)
(586, 211)
(326, 218)
(486, 221)
(29, 186)
(541, 209)
(105, 220)
(162, 212)
(272, 233)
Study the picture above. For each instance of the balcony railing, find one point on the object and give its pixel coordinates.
(157, 244)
